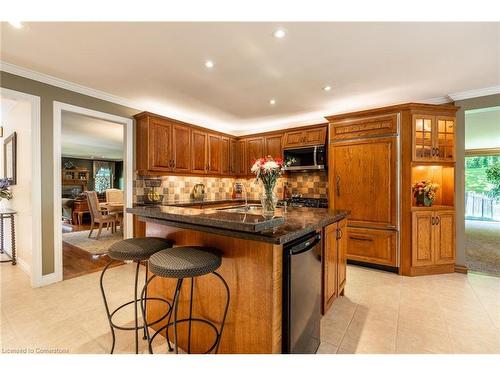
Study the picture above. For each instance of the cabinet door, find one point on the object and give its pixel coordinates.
(233, 156)
(315, 136)
(423, 137)
(444, 138)
(330, 260)
(444, 237)
(422, 238)
(372, 246)
(241, 155)
(225, 156)
(363, 179)
(214, 154)
(160, 145)
(181, 146)
(342, 256)
(273, 146)
(255, 150)
(294, 139)
(199, 152)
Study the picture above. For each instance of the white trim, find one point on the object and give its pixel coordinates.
(24, 266)
(35, 271)
(438, 100)
(128, 167)
(482, 110)
(475, 93)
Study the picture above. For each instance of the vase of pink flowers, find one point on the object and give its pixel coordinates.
(424, 192)
(268, 170)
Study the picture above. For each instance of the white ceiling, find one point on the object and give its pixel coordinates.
(90, 138)
(160, 66)
(482, 128)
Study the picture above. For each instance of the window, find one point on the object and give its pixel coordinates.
(102, 180)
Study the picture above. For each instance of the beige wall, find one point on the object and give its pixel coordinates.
(18, 119)
(467, 104)
(48, 94)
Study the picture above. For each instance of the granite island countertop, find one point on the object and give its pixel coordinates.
(286, 226)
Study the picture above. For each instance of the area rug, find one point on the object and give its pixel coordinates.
(81, 240)
(482, 246)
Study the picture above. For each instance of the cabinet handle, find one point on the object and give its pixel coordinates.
(433, 220)
(433, 152)
(437, 151)
(341, 234)
(338, 186)
(437, 220)
(360, 238)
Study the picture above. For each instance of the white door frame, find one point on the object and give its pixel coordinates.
(35, 269)
(128, 167)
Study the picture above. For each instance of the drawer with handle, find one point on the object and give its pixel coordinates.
(372, 246)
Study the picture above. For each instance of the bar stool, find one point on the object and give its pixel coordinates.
(180, 263)
(137, 250)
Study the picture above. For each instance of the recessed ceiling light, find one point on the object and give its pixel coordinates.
(272, 101)
(16, 24)
(280, 33)
(327, 88)
(209, 64)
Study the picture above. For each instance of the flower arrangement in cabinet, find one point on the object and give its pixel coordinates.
(425, 192)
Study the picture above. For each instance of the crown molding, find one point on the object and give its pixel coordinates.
(438, 100)
(469, 94)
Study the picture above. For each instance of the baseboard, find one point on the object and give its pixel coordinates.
(25, 267)
(49, 279)
(461, 269)
(373, 265)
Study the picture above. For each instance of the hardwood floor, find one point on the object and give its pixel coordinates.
(78, 262)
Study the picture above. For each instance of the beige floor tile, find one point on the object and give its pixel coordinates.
(326, 348)
(422, 340)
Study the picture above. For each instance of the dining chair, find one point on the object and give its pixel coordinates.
(97, 216)
(114, 196)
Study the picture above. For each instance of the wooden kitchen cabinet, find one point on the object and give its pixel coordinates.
(274, 146)
(433, 138)
(374, 246)
(226, 153)
(160, 143)
(199, 153)
(254, 150)
(181, 148)
(307, 137)
(433, 237)
(334, 262)
(214, 154)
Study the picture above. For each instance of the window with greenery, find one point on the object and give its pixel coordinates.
(102, 180)
(482, 187)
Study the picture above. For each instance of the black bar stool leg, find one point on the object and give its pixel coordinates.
(135, 308)
(144, 310)
(107, 307)
(225, 310)
(190, 315)
(176, 307)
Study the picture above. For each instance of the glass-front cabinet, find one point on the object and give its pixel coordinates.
(433, 138)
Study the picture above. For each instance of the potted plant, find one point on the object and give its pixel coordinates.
(5, 192)
(425, 192)
(268, 170)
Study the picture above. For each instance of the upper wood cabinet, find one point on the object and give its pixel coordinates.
(433, 237)
(181, 148)
(240, 158)
(199, 152)
(307, 137)
(274, 146)
(160, 144)
(254, 150)
(350, 128)
(433, 138)
(226, 152)
(214, 154)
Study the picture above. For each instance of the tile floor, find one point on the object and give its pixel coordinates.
(380, 313)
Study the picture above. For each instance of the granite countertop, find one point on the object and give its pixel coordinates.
(287, 225)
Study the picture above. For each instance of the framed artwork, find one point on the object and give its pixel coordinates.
(9, 157)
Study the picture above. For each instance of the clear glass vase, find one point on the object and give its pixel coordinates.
(268, 200)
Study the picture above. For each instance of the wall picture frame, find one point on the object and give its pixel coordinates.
(9, 157)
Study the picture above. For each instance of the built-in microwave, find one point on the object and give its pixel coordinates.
(304, 158)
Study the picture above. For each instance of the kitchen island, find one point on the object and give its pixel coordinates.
(252, 249)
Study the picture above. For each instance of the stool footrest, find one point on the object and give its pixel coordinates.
(139, 301)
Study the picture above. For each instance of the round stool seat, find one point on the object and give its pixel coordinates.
(138, 248)
(184, 262)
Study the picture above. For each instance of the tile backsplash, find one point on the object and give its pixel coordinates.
(309, 184)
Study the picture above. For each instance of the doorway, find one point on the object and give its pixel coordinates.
(482, 190)
(93, 186)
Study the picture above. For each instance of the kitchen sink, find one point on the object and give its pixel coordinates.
(251, 208)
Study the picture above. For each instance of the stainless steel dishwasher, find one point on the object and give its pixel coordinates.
(302, 294)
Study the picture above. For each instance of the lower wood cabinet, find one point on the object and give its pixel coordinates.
(334, 262)
(433, 241)
(372, 246)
